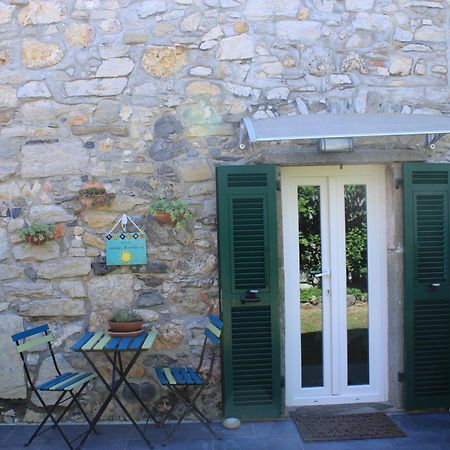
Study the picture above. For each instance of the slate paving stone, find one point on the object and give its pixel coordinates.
(424, 432)
(194, 444)
(259, 443)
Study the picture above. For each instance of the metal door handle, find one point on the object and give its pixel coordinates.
(435, 284)
(250, 296)
(322, 275)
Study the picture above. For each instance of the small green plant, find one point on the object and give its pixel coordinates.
(125, 316)
(177, 210)
(37, 233)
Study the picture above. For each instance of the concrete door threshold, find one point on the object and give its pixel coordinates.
(352, 408)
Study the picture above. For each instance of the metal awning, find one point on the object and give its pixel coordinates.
(351, 125)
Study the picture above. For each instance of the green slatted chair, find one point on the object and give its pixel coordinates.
(64, 383)
(187, 383)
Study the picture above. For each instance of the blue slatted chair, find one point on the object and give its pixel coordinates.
(70, 384)
(187, 383)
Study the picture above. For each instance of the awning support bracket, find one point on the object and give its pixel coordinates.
(432, 139)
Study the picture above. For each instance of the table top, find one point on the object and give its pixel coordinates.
(101, 341)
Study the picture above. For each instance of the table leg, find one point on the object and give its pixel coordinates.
(144, 406)
(113, 388)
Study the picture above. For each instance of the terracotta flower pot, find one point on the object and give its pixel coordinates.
(163, 217)
(34, 240)
(125, 326)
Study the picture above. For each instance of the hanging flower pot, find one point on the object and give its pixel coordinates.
(93, 194)
(171, 212)
(37, 233)
(163, 217)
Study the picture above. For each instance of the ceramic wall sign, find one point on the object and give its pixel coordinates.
(124, 247)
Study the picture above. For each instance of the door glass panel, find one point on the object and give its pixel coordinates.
(311, 309)
(357, 286)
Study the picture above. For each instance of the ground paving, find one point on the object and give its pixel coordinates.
(429, 431)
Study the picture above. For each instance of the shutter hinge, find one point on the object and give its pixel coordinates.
(398, 183)
(401, 377)
(282, 381)
(278, 185)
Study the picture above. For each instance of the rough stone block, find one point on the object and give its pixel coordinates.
(12, 379)
(161, 62)
(100, 87)
(4, 244)
(44, 160)
(72, 288)
(115, 67)
(111, 292)
(37, 55)
(195, 170)
(49, 214)
(64, 268)
(150, 297)
(6, 12)
(34, 89)
(39, 12)
(299, 31)
(27, 288)
(50, 250)
(149, 8)
(54, 307)
(236, 48)
(266, 9)
(8, 98)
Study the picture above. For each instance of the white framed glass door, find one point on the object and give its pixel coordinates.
(335, 284)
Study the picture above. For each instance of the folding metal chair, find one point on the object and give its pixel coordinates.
(187, 383)
(64, 383)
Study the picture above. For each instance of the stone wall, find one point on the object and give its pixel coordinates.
(145, 96)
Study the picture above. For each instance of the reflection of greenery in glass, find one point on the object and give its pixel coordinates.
(309, 231)
(356, 233)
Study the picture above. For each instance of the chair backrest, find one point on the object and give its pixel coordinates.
(212, 333)
(30, 339)
(213, 329)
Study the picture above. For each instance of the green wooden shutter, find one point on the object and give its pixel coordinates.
(247, 230)
(427, 294)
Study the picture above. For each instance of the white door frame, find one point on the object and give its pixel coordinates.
(332, 180)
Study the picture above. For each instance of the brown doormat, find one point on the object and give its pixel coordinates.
(346, 426)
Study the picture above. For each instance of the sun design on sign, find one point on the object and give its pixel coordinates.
(126, 256)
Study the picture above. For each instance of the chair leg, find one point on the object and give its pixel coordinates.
(189, 406)
(75, 399)
(50, 415)
(45, 419)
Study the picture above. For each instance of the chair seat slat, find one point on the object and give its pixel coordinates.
(34, 343)
(30, 332)
(186, 376)
(60, 386)
(136, 344)
(86, 336)
(92, 341)
(48, 384)
(169, 375)
(178, 376)
(213, 338)
(81, 381)
(148, 343)
(161, 377)
(194, 376)
(65, 385)
(100, 345)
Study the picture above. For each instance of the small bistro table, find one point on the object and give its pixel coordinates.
(113, 347)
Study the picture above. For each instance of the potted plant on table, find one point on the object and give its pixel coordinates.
(125, 322)
(37, 233)
(172, 212)
(93, 194)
